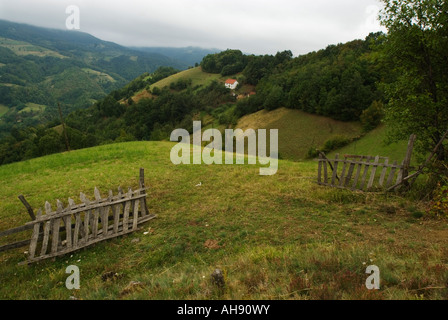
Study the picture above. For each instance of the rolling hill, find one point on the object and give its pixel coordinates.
(47, 66)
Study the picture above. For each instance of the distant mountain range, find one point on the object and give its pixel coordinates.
(41, 67)
(189, 55)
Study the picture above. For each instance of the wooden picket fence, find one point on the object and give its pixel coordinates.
(364, 173)
(74, 226)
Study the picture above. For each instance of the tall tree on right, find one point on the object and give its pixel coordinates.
(416, 50)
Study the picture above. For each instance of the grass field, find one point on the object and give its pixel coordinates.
(33, 107)
(299, 131)
(197, 76)
(275, 237)
(3, 109)
(22, 48)
(373, 144)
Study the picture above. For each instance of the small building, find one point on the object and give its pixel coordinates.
(231, 84)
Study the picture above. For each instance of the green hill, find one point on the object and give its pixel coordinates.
(299, 131)
(373, 144)
(275, 237)
(196, 75)
(47, 66)
(3, 109)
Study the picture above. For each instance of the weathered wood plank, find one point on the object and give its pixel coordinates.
(364, 175)
(94, 227)
(383, 172)
(126, 210)
(341, 178)
(400, 175)
(93, 241)
(28, 207)
(68, 230)
(16, 230)
(78, 227)
(325, 172)
(96, 213)
(35, 237)
(373, 172)
(335, 169)
(135, 215)
(358, 171)
(117, 208)
(56, 223)
(349, 174)
(105, 218)
(46, 230)
(17, 244)
(87, 218)
(143, 203)
(391, 174)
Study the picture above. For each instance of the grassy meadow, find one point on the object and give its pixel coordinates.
(3, 109)
(373, 143)
(275, 237)
(299, 131)
(197, 76)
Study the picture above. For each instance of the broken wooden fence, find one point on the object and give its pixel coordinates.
(66, 229)
(363, 173)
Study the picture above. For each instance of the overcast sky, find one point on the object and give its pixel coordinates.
(253, 26)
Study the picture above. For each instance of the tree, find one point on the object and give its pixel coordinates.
(275, 98)
(372, 116)
(416, 49)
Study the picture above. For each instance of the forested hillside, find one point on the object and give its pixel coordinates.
(40, 68)
(339, 82)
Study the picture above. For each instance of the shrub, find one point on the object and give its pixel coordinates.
(372, 116)
(439, 204)
(336, 143)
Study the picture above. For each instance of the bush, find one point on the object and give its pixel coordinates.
(439, 204)
(336, 143)
(312, 153)
(372, 116)
(330, 145)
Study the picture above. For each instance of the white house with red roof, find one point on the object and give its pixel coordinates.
(231, 84)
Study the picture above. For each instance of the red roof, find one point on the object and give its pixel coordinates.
(230, 81)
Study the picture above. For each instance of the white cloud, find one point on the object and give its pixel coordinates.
(262, 26)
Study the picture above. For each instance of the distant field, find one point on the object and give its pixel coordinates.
(22, 48)
(197, 76)
(101, 76)
(298, 131)
(33, 107)
(373, 144)
(3, 109)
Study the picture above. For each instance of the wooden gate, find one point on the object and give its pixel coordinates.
(94, 221)
(363, 173)
(74, 226)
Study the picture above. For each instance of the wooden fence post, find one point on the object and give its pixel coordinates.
(407, 158)
(28, 207)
